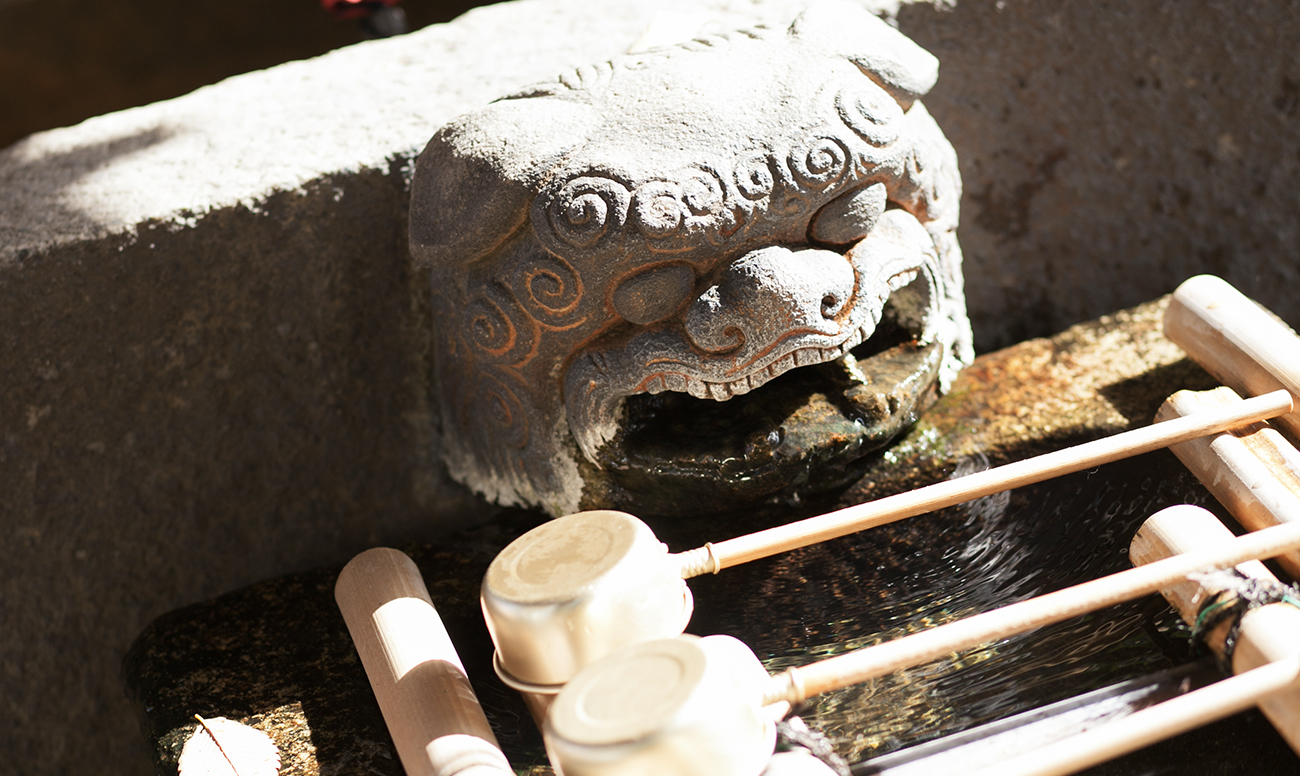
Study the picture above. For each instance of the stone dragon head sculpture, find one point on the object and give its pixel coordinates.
(719, 271)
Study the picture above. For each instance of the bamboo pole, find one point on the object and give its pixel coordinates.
(1267, 634)
(797, 684)
(1236, 340)
(1252, 470)
(1146, 727)
(431, 711)
(742, 549)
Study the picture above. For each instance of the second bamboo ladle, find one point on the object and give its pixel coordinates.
(580, 587)
(703, 707)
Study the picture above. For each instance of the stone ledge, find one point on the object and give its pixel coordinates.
(359, 108)
(259, 653)
(212, 359)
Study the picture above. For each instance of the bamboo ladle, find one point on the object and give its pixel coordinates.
(691, 707)
(1264, 634)
(579, 587)
(574, 589)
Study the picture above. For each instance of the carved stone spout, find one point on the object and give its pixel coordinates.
(725, 269)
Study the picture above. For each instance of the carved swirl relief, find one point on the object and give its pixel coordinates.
(696, 219)
(603, 216)
(504, 324)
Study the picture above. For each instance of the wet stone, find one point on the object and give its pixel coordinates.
(811, 434)
(277, 655)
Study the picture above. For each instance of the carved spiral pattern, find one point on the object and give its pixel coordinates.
(588, 76)
(592, 210)
(548, 287)
(872, 116)
(507, 423)
(658, 208)
(703, 192)
(489, 328)
(819, 162)
(754, 177)
(587, 209)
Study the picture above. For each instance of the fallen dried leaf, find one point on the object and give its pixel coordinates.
(223, 747)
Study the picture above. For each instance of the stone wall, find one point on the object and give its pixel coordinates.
(212, 343)
(1109, 150)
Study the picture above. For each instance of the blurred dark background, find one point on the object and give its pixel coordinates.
(64, 61)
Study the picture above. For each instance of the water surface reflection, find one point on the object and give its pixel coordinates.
(898, 579)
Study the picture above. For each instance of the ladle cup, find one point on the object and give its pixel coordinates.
(573, 590)
(681, 706)
(659, 706)
(579, 587)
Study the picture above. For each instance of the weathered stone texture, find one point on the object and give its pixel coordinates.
(212, 343)
(700, 220)
(1110, 150)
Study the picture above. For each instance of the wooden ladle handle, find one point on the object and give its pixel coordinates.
(1243, 345)
(742, 549)
(430, 708)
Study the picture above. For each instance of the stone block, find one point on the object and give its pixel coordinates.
(213, 345)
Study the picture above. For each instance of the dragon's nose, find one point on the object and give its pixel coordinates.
(768, 295)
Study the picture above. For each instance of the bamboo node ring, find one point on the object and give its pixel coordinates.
(713, 557)
(699, 561)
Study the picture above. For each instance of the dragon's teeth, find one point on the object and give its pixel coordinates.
(806, 357)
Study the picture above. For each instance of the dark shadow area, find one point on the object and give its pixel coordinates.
(1137, 398)
(64, 61)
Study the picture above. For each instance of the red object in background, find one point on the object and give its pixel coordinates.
(354, 9)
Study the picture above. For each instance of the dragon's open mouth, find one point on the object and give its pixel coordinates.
(803, 431)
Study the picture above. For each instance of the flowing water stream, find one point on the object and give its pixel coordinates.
(860, 590)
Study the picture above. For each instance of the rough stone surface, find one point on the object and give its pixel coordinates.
(263, 650)
(1111, 150)
(168, 431)
(700, 219)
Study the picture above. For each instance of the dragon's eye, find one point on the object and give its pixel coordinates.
(654, 294)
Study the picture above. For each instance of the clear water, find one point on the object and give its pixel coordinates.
(861, 590)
